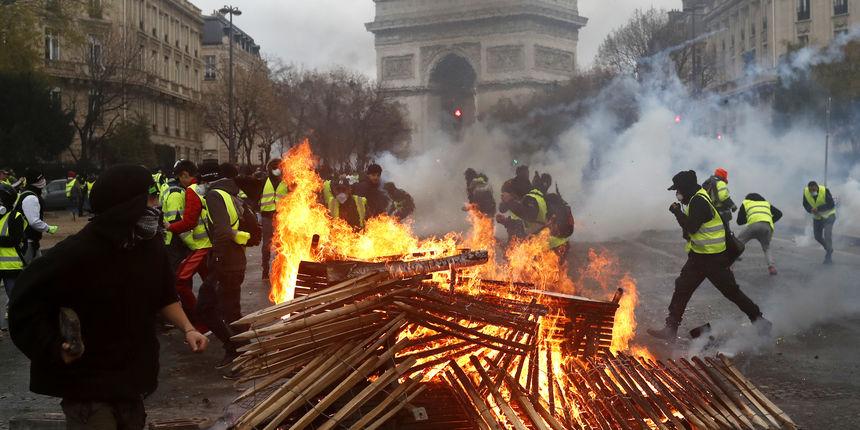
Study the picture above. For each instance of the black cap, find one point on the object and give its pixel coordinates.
(342, 182)
(684, 180)
(33, 175)
(227, 171)
(209, 171)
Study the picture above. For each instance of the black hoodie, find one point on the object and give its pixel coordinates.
(117, 287)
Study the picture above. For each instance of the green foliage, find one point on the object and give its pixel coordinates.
(33, 127)
(22, 24)
(130, 142)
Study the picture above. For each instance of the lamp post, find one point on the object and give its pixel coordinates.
(231, 145)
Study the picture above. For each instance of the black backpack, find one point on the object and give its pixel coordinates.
(559, 215)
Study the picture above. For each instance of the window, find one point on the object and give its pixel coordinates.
(178, 76)
(764, 23)
(52, 45)
(94, 9)
(211, 69)
(166, 68)
(187, 76)
(840, 7)
(95, 51)
(803, 40)
(803, 10)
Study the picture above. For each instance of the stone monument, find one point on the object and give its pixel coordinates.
(447, 61)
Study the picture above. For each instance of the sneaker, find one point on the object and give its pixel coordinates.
(828, 259)
(771, 270)
(667, 333)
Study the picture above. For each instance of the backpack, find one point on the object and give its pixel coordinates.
(559, 215)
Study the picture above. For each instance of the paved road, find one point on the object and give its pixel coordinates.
(810, 368)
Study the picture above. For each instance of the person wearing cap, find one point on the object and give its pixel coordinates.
(231, 225)
(759, 216)
(818, 202)
(347, 206)
(73, 193)
(186, 239)
(30, 203)
(479, 193)
(371, 188)
(274, 190)
(717, 187)
(103, 358)
(705, 232)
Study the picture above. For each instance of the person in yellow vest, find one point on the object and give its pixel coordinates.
(707, 258)
(232, 226)
(185, 216)
(530, 210)
(274, 189)
(818, 202)
(759, 216)
(88, 189)
(347, 206)
(12, 226)
(73, 193)
(4, 177)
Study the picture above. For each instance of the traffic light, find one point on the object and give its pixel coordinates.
(458, 113)
(677, 119)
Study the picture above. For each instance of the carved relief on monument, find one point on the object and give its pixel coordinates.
(555, 60)
(401, 67)
(505, 58)
(430, 55)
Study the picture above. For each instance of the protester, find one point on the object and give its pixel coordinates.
(480, 193)
(818, 202)
(402, 206)
(103, 359)
(274, 190)
(12, 225)
(31, 204)
(73, 193)
(759, 215)
(514, 226)
(371, 188)
(346, 205)
(232, 225)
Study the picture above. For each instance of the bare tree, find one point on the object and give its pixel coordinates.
(252, 97)
(111, 76)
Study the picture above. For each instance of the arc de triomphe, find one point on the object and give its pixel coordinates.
(438, 57)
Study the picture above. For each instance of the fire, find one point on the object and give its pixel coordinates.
(301, 215)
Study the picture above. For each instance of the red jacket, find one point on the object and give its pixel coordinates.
(193, 208)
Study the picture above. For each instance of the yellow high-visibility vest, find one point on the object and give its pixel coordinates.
(9, 257)
(198, 238)
(172, 207)
(70, 185)
(328, 195)
(817, 202)
(540, 222)
(722, 192)
(271, 196)
(360, 204)
(758, 211)
(239, 237)
(711, 236)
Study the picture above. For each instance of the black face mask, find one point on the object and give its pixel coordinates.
(148, 225)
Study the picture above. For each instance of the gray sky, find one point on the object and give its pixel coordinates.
(325, 33)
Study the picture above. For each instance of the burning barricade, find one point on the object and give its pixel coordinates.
(386, 322)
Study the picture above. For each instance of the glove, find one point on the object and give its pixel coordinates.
(675, 208)
(52, 229)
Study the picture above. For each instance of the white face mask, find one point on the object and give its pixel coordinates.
(679, 196)
(341, 198)
(815, 194)
(276, 172)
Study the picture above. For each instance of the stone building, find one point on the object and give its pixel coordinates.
(449, 61)
(748, 37)
(166, 90)
(216, 53)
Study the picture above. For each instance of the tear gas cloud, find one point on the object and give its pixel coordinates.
(615, 178)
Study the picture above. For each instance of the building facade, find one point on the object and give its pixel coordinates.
(216, 55)
(747, 38)
(164, 37)
(447, 62)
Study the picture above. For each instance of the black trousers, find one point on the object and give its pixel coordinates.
(219, 301)
(117, 415)
(716, 269)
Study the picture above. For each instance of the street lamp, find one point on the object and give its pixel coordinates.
(231, 145)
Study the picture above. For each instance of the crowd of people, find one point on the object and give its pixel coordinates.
(150, 235)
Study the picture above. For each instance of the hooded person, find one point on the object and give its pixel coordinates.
(707, 256)
(514, 226)
(402, 204)
(346, 205)
(30, 203)
(479, 193)
(521, 183)
(102, 359)
(232, 226)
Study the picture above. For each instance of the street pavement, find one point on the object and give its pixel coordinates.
(810, 367)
